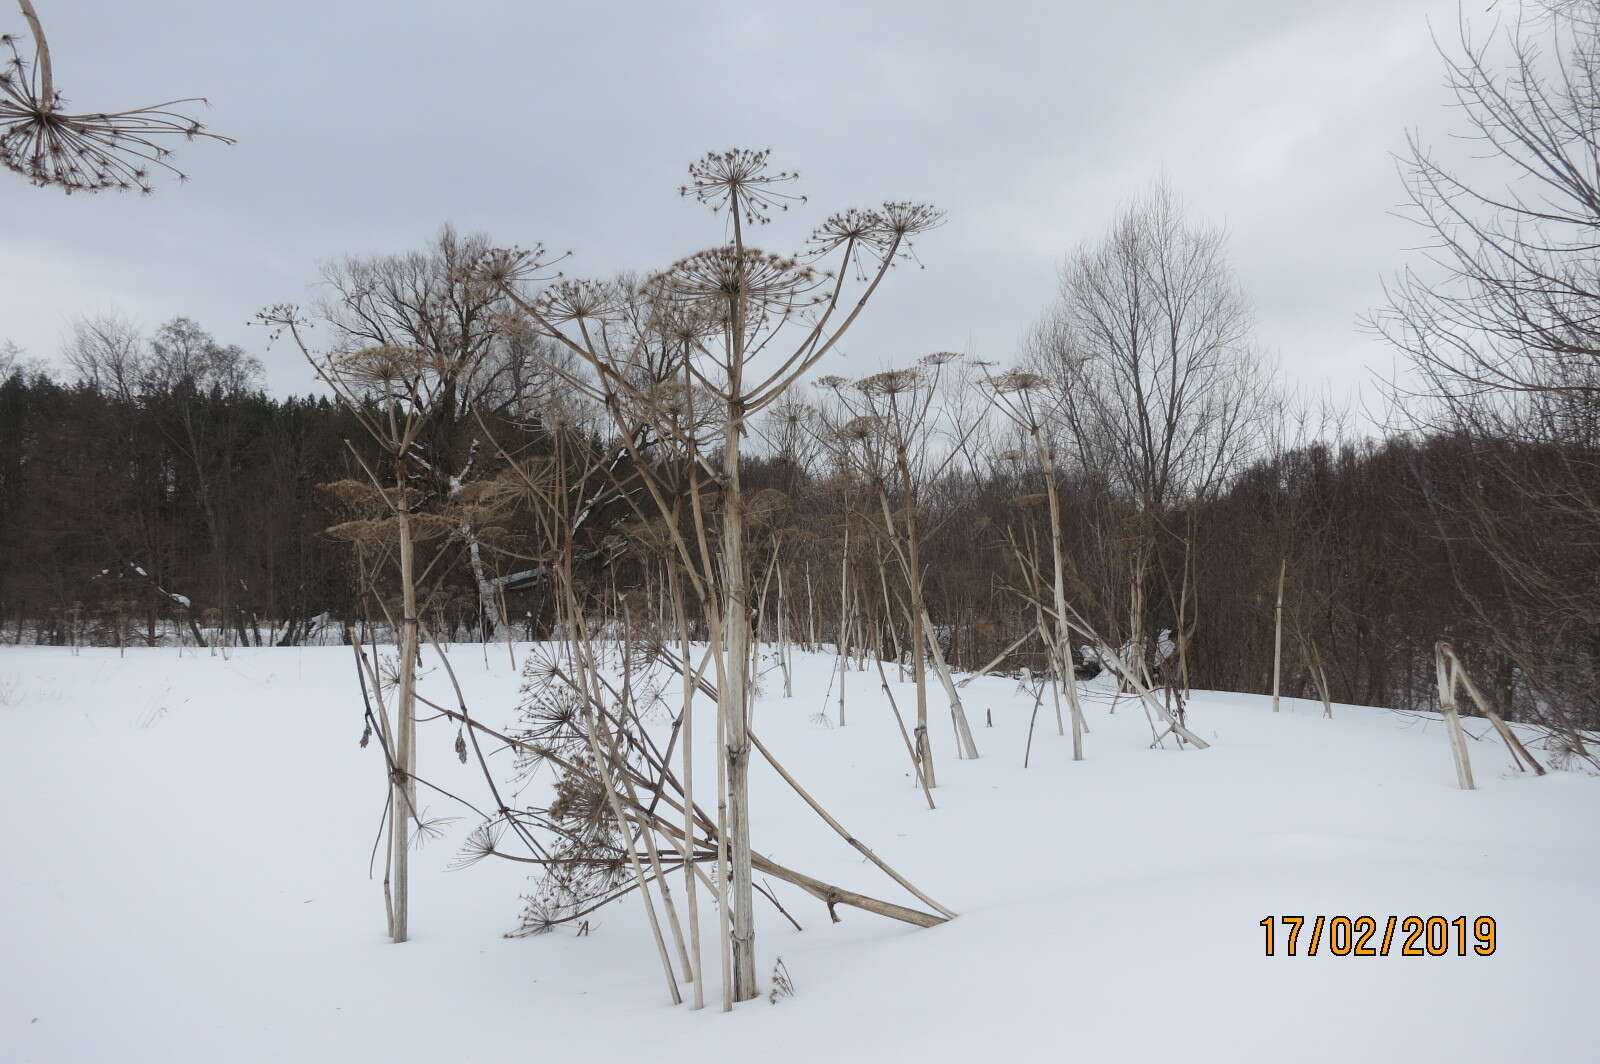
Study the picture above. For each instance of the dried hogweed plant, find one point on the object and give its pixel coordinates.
(88, 152)
(682, 363)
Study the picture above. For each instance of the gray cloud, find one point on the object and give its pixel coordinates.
(364, 126)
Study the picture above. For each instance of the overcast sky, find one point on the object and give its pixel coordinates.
(363, 126)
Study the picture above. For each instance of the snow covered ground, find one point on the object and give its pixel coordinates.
(186, 838)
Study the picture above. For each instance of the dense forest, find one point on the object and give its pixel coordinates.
(192, 507)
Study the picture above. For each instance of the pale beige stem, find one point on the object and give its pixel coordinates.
(1277, 635)
(1519, 753)
(827, 817)
(41, 51)
(958, 712)
(1452, 719)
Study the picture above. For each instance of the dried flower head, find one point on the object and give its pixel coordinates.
(680, 322)
(885, 233)
(905, 219)
(579, 301)
(854, 226)
(860, 233)
(383, 364)
(738, 181)
(360, 531)
(686, 407)
(716, 278)
(890, 382)
(81, 152)
(481, 842)
(507, 266)
(902, 223)
(355, 494)
(859, 429)
(794, 414)
(1018, 381)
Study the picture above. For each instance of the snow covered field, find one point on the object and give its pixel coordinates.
(185, 879)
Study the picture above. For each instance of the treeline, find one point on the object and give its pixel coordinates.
(164, 495)
(194, 511)
(1381, 545)
(167, 505)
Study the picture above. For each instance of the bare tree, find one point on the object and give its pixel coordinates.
(107, 353)
(1503, 307)
(431, 300)
(1149, 349)
(1500, 324)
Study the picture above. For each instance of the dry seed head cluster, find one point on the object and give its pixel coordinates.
(579, 301)
(84, 152)
(720, 276)
(738, 179)
(890, 382)
(1019, 381)
(859, 429)
(383, 364)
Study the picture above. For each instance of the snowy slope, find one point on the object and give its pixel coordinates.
(185, 880)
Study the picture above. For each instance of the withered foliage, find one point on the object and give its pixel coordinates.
(82, 152)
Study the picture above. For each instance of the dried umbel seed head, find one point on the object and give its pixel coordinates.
(356, 531)
(859, 429)
(508, 266)
(907, 219)
(676, 399)
(578, 301)
(939, 358)
(832, 382)
(383, 364)
(890, 382)
(82, 152)
(886, 232)
(1019, 381)
(794, 415)
(684, 323)
(669, 397)
(903, 222)
(738, 180)
(429, 526)
(354, 494)
(854, 226)
(482, 841)
(719, 277)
